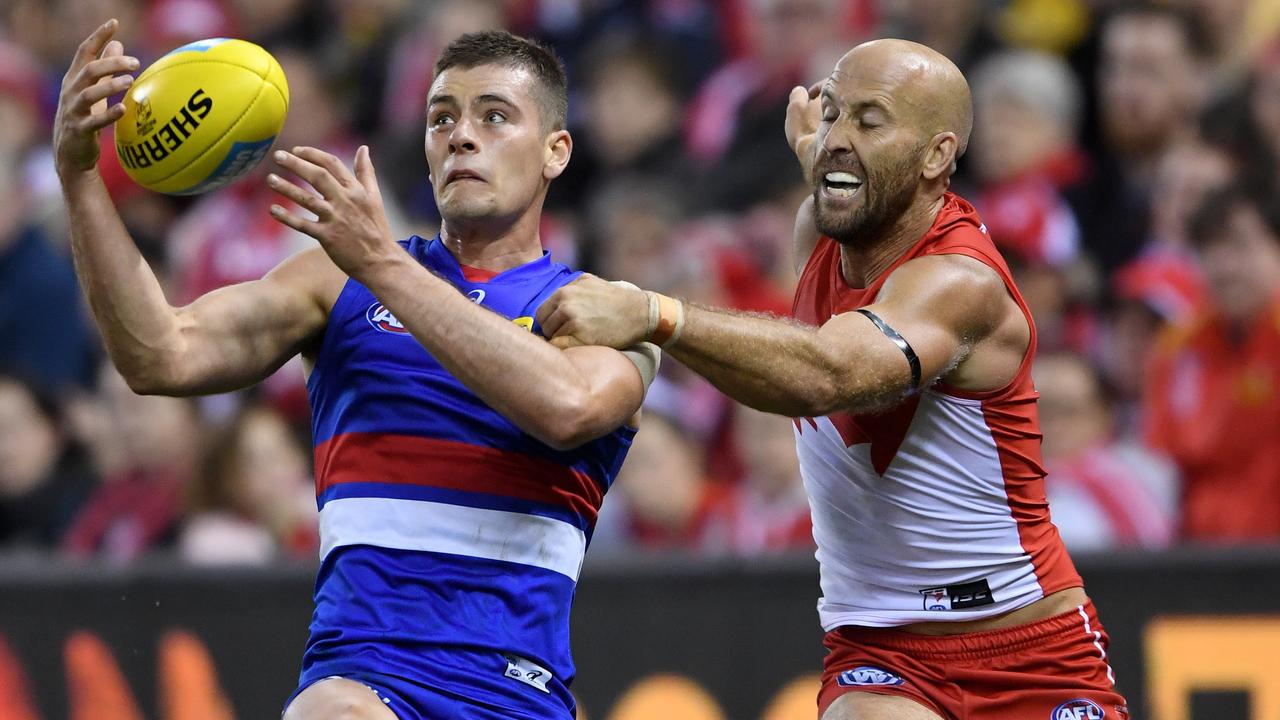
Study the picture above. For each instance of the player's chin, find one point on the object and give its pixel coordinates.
(466, 205)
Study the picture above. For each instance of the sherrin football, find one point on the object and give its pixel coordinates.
(201, 116)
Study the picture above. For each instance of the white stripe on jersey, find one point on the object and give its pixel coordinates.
(938, 517)
(456, 529)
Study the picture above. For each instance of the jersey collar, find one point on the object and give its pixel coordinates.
(436, 256)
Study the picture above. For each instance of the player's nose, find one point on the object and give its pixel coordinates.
(837, 141)
(463, 138)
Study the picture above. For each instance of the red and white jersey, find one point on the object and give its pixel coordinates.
(935, 509)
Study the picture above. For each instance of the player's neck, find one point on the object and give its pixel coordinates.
(493, 244)
(862, 265)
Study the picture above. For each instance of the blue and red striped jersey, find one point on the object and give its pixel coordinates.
(444, 528)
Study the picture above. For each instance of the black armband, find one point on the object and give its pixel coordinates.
(912, 359)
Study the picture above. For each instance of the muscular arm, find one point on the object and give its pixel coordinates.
(227, 339)
(562, 397)
(943, 305)
(230, 338)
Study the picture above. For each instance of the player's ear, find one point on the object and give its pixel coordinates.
(940, 157)
(556, 152)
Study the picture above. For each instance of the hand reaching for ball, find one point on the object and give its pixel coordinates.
(350, 223)
(97, 72)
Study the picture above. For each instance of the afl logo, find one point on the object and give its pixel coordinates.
(1079, 709)
(382, 319)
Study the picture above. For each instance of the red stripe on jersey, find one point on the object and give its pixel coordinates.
(1015, 428)
(477, 275)
(451, 465)
(884, 431)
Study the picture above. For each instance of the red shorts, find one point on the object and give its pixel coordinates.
(1051, 669)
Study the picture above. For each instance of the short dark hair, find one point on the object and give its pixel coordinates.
(1194, 29)
(499, 47)
(1209, 223)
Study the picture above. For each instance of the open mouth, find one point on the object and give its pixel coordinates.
(841, 184)
(462, 175)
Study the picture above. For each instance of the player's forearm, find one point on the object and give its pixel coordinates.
(137, 323)
(771, 364)
(518, 374)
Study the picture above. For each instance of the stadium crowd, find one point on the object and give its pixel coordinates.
(1124, 158)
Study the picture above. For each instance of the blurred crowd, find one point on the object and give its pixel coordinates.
(1124, 158)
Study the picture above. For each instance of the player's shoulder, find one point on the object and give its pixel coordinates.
(946, 275)
(958, 225)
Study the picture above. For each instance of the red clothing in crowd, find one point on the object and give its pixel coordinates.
(127, 516)
(1212, 403)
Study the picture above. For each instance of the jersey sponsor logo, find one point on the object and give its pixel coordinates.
(476, 296)
(1078, 709)
(527, 672)
(868, 675)
(382, 319)
(958, 597)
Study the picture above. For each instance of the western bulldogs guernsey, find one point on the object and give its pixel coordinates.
(935, 509)
(450, 540)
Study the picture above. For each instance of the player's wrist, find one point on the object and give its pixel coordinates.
(74, 173)
(805, 155)
(666, 320)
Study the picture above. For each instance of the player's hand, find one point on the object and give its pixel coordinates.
(804, 113)
(350, 223)
(590, 311)
(97, 72)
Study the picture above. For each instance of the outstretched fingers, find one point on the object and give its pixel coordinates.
(89, 100)
(329, 162)
(297, 222)
(365, 174)
(304, 198)
(316, 175)
(92, 46)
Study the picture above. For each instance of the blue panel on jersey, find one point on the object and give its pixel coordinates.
(433, 617)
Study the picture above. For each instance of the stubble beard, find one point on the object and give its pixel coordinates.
(880, 210)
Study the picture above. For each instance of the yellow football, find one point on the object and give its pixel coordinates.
(201, 116)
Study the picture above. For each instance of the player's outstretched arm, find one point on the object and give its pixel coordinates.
(228, 339)
(562, 397)
(943, 305)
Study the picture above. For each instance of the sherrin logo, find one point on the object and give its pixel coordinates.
(868, 675)
(1078, 709)
(154, 148)
(382, 319)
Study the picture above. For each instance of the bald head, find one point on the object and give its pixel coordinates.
(895, 117)
(921, 79)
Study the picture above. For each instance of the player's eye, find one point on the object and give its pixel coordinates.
(442, 119)
(494, 116)
(830, 115)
